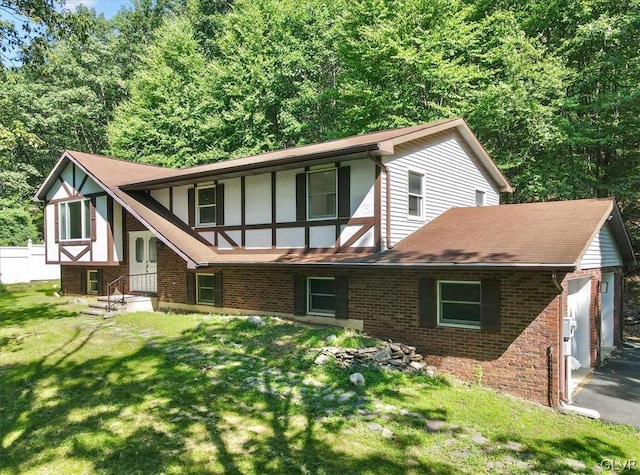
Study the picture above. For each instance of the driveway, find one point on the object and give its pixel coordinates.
(614, 388)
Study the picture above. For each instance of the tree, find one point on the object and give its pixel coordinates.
(169, 118)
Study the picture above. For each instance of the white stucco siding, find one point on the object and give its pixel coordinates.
(181, 202)
(361, 184)
(232, 204)
(73, 178)
(322, 236)
(451, 176)
(258, 239)
(602, 251)
(290, 238)
(366, 240)
(162, 196)
(258, 199)
(286, 196)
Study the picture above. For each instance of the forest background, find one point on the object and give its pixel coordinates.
(551, 88)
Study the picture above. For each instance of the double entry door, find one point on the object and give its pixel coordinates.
(143, 262)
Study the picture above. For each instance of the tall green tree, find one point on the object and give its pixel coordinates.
(169, 117)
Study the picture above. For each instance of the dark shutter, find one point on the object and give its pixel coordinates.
(344, 192)
(92, 213)
(99, 281)
(301, 197)
(342, 296)
(191, 204)
(56, 218)
(427, 302)
(300, 295)
(217, 289)
(490, 318)
(191, 288)
(220, 205)
(83, 281)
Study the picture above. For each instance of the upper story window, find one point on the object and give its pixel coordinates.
(206, 206)
(459, 304)
(480, 198)
(75, 220)
(415, 194)
(322, 190)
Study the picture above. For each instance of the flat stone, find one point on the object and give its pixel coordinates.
(417, 364)
(463, 454)
(575, 464)
(514, 446)
(321, 360)
(374, 427)
(435, 425)
(479, 439)
(386, 433)
(383, 355)
(331, 339)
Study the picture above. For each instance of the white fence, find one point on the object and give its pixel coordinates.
(24, 264)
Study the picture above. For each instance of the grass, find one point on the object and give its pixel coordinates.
(164, 393)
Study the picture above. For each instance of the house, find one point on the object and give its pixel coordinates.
(399, 233)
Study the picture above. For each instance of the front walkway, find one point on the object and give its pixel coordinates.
(614, 388)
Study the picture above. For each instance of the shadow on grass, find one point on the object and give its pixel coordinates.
(179, 405)
(224, 398)
(17, 315)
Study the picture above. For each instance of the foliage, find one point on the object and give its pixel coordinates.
(17, 225)
(170, 117)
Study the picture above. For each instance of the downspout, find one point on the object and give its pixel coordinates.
(565, 403)
(387, 198)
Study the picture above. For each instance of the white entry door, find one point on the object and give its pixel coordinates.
(608, 302)
(579, 308)
(143, 262)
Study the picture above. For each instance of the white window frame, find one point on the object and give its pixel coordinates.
(481, 198)
(458, 323)
(65, 224)
(90, 280)
(213, 290)
(420, 196)
(308, 197)
(198, 206)
(323, 313)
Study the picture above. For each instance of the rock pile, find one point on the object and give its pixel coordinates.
(390, 355)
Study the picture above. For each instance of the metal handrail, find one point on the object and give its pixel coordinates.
(119, 282)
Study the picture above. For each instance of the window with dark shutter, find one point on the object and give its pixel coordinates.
(427, 302)
(344, 192)
(490, 321)
(191, 205)
(342, 296)
(301, 197)
(299, 295)
(220, 204)
(459, 303)
(191, 292)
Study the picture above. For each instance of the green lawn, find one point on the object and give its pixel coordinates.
(165, 393)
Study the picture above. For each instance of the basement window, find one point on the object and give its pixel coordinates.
(92, 281)
(459, 304)
(206, 289)
(321, 296)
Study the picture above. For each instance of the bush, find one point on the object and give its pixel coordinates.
(17, 225)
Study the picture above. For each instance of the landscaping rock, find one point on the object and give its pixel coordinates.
(386, 433)
(396, 356)
(435, 425)
(322, 359)
(374, 427)
(331, 339)
(255, 320)
(575, 464)
(479, 439)
(357, 379)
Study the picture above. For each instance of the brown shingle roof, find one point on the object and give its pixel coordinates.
(549, 233)
(379, 143)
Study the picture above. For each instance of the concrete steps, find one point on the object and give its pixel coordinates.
(126, 304)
